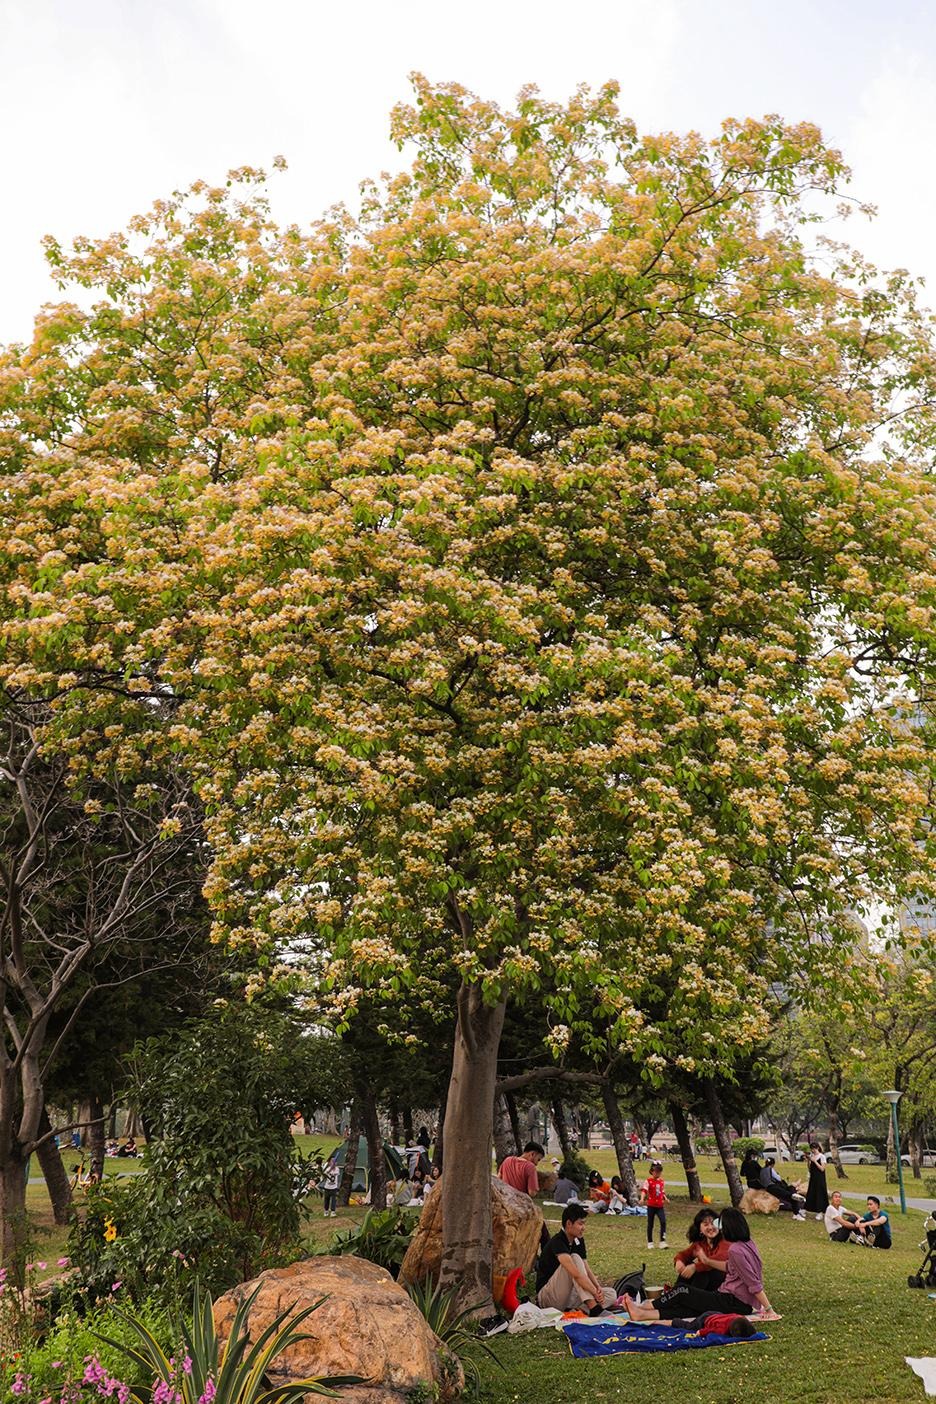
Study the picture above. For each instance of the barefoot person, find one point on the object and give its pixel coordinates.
(563, 1277)
(742, 1290)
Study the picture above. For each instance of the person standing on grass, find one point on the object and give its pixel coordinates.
(742, 1290)
(653, 1194)
(519, 1171)
(817, 1191)
(331, 1179)
(563, 1277)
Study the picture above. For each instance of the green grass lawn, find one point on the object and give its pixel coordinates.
(848, 1316)
(848, 1320)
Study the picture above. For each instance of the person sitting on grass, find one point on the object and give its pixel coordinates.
(705, 1261)
(874, 1226)
(788, 1197)
(599, 1192)
(519, 1171)
(567, 1187)
(841, 1224)
(563, 1277)
(742, 1291)
(617, 1201)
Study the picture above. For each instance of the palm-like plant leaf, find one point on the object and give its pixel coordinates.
(240, 1369)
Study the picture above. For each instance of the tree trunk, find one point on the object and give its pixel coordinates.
(467, 1245)
(408, 1126)
(13, 1214)
(375, 1152)
(96, 1135)
(514, 1116)
(503, 1136)
(112, 1121)
(562, 1127)
(621, 1146)
(396, 1123)
(351, 1154)
(835, 1135)
(438, 1144)
(720, 1127)
(686, 1151)
(54, 1173)
(915, 1147)
(584, 1129)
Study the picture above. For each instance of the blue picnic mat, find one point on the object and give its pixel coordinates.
(617, 1338)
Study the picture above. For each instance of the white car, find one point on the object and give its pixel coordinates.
(857, 1154)
(927, 1159)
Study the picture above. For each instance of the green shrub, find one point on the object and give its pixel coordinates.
(705, 1145)
(454, 1327)
(219, 1195)
(381, 1237)
(929, 1182)
(576, 1168)
(743, 1144)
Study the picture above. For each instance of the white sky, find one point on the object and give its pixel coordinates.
(108, 104)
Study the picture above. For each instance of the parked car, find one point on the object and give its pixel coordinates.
(858, 1154)
(927, 1159)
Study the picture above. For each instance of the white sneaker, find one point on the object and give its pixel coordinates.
(650, 1247)
(819, 1218)
(663, 1243)
(799, 1218)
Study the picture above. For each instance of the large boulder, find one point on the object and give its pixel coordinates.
(758, 1201)
(366, 1326)
(518, 1223)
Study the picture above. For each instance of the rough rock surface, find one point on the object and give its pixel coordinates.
(367, 1326)
(517, 1226)
(755, 1201)
(548, 1179)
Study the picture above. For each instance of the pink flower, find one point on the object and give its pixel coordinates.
(56, 1364)
(187, 1365)
(41, 1266)
(116, 1286)
(63, 1262)
(19, 1384)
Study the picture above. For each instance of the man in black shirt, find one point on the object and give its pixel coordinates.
(563, 1277)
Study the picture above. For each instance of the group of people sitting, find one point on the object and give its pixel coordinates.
(720, 1271)
(765, 1177)
(869, 1230)
(127, 1151)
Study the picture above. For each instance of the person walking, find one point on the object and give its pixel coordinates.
(817, 1191)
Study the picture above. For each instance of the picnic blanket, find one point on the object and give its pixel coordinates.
(925, 1367)
(623, 1337)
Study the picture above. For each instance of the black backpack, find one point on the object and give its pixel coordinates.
(632, 1283)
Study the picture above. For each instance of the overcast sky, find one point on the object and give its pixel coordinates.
(107, 104)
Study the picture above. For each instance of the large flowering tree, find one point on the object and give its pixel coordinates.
(538, 560)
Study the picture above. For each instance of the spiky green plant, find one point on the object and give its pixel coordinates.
(206, 1374)
(455, 1327)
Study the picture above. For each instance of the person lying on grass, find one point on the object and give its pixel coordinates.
(563, 1277)
(742, 1290)
(704, 1262)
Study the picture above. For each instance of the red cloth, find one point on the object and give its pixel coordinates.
(655, 1191)
(520, 1174)
(719, 1253)
(718, 1323)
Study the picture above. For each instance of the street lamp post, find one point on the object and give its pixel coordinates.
(893, 1096)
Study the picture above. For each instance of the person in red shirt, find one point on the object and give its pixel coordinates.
(704, 1262)
(519, 1171)
(653, 1194)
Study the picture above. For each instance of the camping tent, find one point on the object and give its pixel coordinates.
(396, 1167)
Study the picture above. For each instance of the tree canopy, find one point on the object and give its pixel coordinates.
(541, 562)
